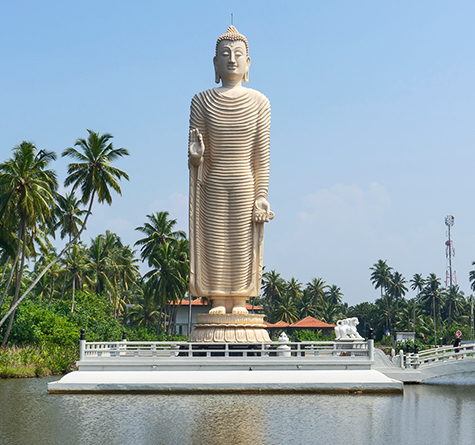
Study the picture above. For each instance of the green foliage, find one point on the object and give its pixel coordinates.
(303, 335)
(33, 361)
(385, 341)
(59, 359)
(402, 344)
(57, 326)
(35, 325)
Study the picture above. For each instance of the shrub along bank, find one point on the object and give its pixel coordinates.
(45, 341)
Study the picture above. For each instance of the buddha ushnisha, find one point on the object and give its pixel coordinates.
(229, 176)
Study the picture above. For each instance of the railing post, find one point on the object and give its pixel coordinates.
(370, 344)
(123, 346)
(82, 345)
(401, 358)
(408, 353)
(416, 356)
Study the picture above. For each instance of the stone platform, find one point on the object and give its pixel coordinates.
(235, 381)
(268, 367)
(229, 328)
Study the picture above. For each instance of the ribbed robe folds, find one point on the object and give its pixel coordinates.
(225, 243)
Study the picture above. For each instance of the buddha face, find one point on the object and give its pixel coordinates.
(231, 62)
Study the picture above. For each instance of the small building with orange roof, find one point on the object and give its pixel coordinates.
(312, 324)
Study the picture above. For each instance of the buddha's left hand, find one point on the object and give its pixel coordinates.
(262, 212)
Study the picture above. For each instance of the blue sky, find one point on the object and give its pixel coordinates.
(372, 138)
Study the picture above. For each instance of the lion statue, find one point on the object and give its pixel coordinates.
(346, 329)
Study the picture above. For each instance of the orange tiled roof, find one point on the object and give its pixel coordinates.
(311, 322)
(279, 324)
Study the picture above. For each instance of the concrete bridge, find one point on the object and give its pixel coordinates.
(436, 362)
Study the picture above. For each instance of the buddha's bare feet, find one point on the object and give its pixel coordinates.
(239, 307)
(237, 310)
(220, 310)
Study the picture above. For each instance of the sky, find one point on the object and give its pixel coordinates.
(372, 135)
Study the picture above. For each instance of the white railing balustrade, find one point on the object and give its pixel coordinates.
(130, 349)
(439, 355)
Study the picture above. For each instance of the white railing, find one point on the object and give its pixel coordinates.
(131, 349)
(437, 356)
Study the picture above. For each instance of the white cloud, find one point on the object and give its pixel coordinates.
(118, 224)
(339, 232)
(346, 206)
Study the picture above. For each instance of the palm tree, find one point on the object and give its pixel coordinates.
(417, 284)
(333, 295)
(158, 230)
(454, 302)
(472, 277)
(126, 273)
(100, 255)
(381, 277)
(159, 233)
(330, 313)
(53, 273)
(8, 244)
(78, 267)
(286, 310)
(182, 252)
(27, 188)
(294, 289)
(166, 280)
(144, 311)
(68, 215)
(68, 219)
(273, 287)
(305, 305)
(433, 292)
(317, 287)
(94, 175)
(398, 286)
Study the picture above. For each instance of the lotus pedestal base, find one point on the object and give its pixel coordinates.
(229, 328)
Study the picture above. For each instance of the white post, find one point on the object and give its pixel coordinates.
(371, 349)
(401, 357)
(82, 345)
(122, 345)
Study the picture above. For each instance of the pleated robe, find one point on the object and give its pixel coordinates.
(226, 244)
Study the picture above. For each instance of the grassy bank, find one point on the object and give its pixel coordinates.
(32, 361)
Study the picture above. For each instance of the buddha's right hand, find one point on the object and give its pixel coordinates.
(196, 148)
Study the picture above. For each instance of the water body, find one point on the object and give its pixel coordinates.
(442, 412)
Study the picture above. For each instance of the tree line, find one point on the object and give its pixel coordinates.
(435, 312)
(32, 213)
(290, 301)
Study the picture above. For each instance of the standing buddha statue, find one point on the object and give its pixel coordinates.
(229, 143)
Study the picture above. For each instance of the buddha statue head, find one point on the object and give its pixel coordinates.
(232, 60)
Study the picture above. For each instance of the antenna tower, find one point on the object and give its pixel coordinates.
(450, 274)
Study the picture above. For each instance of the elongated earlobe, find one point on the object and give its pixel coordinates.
(217, 78)
(246, 74)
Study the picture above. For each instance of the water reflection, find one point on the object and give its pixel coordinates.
(440, 412)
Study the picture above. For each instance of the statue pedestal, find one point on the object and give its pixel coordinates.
(229, 328)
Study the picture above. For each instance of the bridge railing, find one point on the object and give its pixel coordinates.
(439, 355)
(136, 349)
